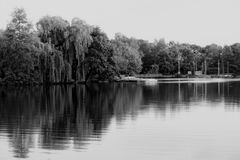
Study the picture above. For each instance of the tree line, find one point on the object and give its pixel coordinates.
(58, 51)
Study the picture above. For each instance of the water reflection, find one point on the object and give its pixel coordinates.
(57, 117)
(175, 96)
(61, 113)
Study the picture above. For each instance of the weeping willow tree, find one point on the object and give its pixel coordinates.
(55, 67)
(66, 48)
(77, 46)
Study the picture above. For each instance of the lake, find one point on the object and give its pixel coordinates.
(121, 121)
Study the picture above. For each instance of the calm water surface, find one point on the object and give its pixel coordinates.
(168, 121)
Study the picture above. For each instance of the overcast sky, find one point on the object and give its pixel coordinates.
(193, 21)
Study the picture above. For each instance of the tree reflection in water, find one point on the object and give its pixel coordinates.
(54, 117)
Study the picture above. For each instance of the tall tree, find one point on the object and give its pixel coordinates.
(148, 56)
(235, 66)
(126, 55)
(71, 40)
(54, 65)
(18, 50)
(188, 58)
(226, 57)
(99, 62)
(80, 39)
(214, 53)
(176, 55)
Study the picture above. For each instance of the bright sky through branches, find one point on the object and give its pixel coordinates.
(192, 21)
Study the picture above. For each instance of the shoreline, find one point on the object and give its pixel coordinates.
(135, 79)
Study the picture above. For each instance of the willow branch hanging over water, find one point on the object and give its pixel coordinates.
(72, 41)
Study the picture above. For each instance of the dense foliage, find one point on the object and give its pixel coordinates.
(126, 55)
(173, 58)
(63, 52)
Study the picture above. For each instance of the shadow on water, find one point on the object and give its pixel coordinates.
(58, 116)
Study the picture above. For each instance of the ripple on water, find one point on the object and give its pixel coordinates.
(167, 120)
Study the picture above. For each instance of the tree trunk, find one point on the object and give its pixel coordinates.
(83, 78)
(223, 69)
(179, 67)
(88, 76)
(228, 67)
(205, 62)
(193, 68)
(218, 67)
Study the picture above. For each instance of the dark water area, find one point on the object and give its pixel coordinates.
(175, 121)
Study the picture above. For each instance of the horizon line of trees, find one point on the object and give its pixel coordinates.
(58, 51)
